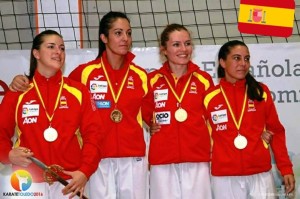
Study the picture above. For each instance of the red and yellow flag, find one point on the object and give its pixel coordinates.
(267, 17)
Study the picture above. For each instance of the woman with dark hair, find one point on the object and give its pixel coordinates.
(119, 91)
(239, 110)
(54, 120)
(179, 152)
(118, 87)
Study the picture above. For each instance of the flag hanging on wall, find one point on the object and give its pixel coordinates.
(267, 17)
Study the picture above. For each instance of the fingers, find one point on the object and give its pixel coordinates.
(67, 189)
(25, 150)
(77, 184)
(26, 153)
(289, 189)
(289, 182)
(267, 136)
(15, 87)
(81, 193)
(155, 127)
(70, 188)
(19, 156)
(11, 88)
(19, 83)
(73, 190)
(78, 191)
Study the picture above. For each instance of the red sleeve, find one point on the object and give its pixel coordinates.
(209, 78)
(148, 105)
(76, 73)
(92, 132)
(278, 142)
(208, 90)
(7, 127)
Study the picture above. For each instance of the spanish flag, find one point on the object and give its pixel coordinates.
(267, 17)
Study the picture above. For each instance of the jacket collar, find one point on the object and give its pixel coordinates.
(52, 80)
(128, 59)
(166, 70)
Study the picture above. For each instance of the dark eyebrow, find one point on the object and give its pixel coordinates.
(120, 29)
(51, 43)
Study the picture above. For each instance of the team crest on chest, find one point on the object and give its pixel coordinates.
(130, 82)
(63, 104)
(193, 88)
(251, 106)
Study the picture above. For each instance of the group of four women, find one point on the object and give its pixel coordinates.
(192, 122)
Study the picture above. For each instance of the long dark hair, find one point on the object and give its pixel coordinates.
(255, 90)
(36, 44)
(105, 25)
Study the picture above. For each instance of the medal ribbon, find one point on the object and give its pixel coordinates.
(42, 101)
(116, 98)
(238, 125)
(179, 99)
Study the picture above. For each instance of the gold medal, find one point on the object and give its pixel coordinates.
(50, 134)
(181, 115)
(116, 116)
(240, 142)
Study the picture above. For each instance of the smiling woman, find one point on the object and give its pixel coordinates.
(47, 54)
(239, 109)
(179, 150)
(118, 87)
(39, 117)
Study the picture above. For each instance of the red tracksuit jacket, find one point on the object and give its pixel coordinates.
(178, 142)
(75, 119)
(258, 116)
(123, 139)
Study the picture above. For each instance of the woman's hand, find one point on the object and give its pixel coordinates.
(154, 128)
(19, 156)
(289, 183)
(267, 136)
(19, 83)
(77, 183)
